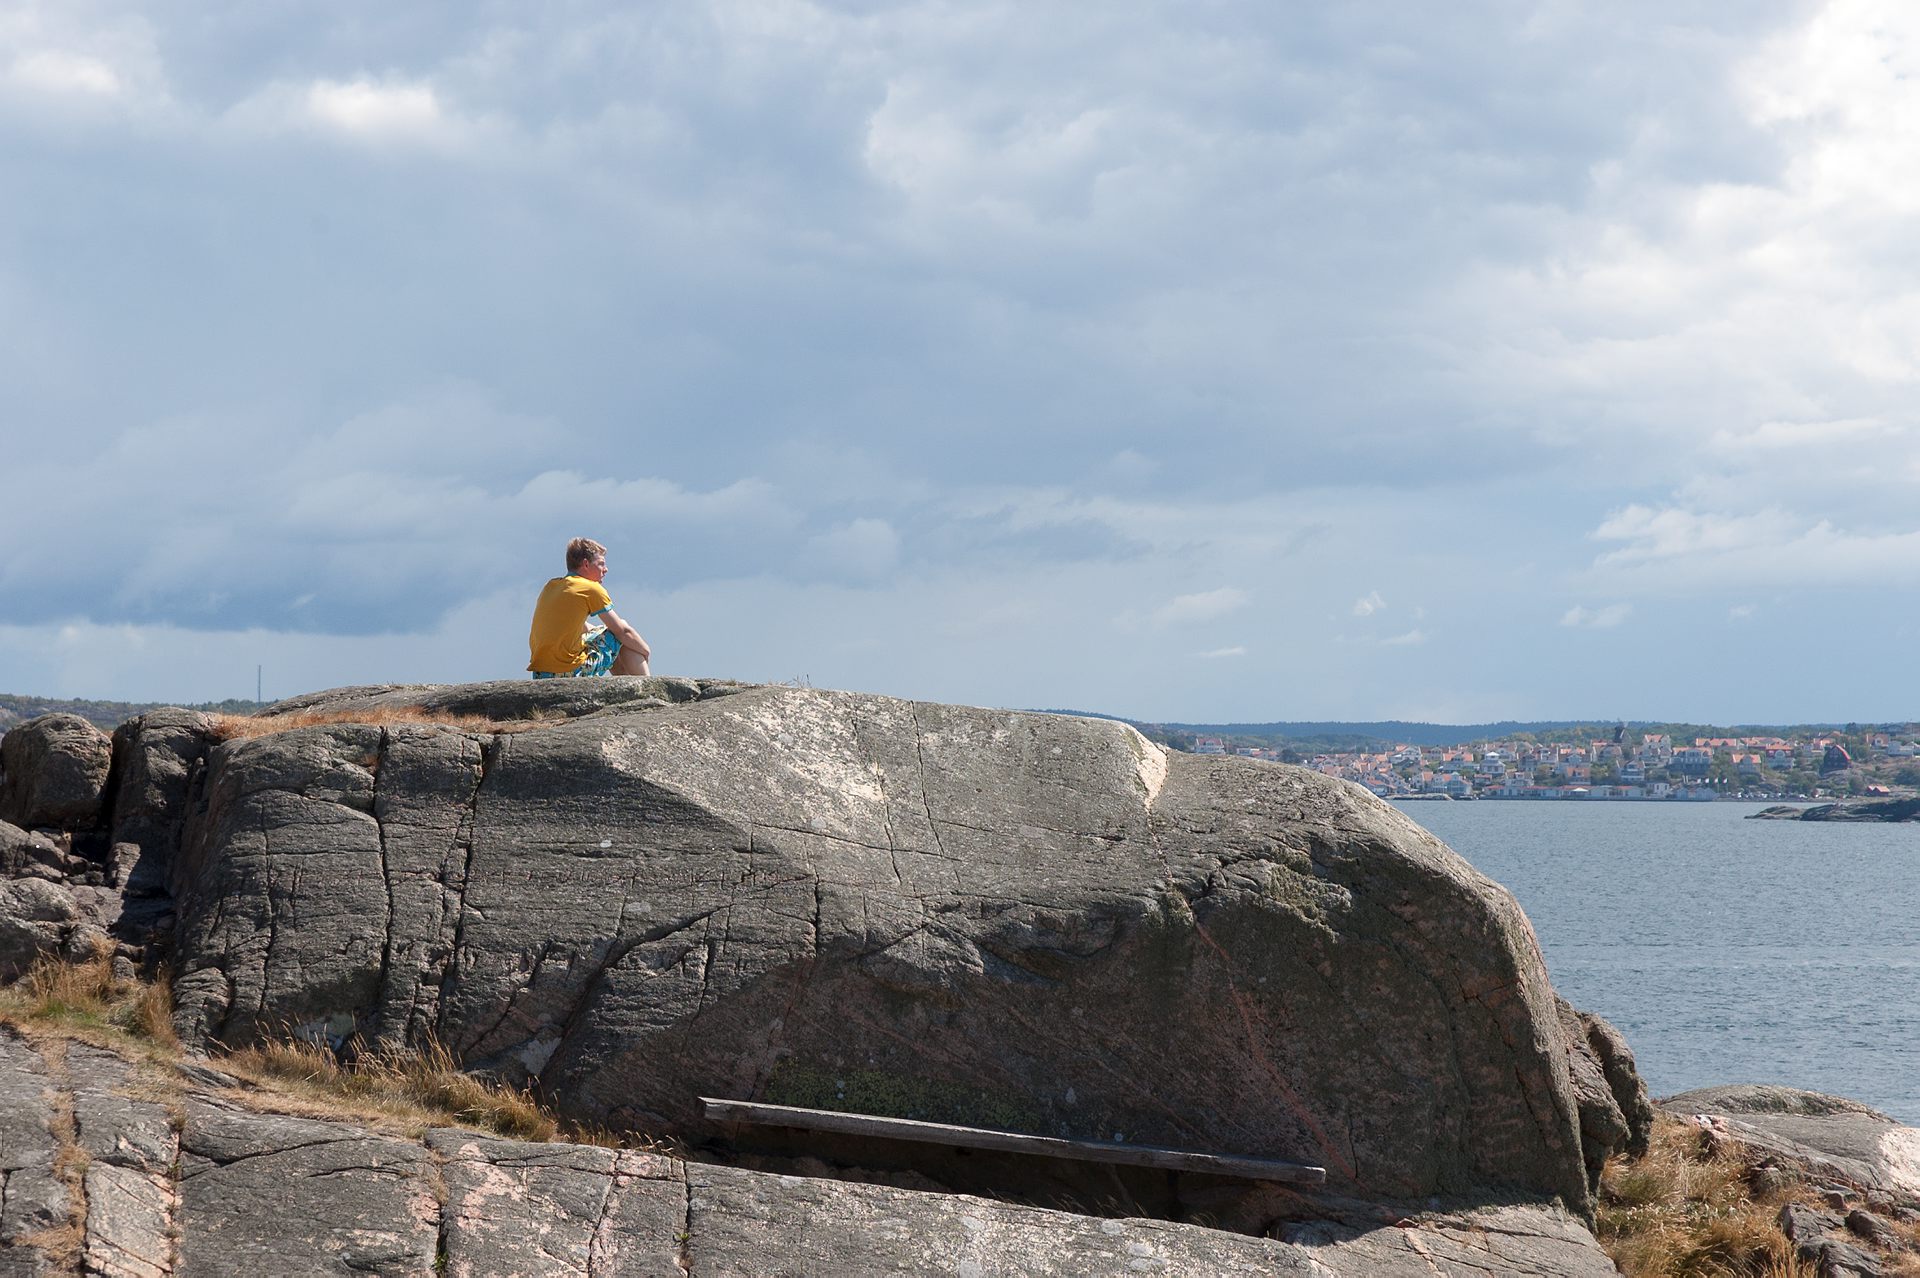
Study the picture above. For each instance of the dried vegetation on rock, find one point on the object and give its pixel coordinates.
(245, 727)
(1700, 1204)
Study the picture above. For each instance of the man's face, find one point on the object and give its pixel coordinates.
(595, 568)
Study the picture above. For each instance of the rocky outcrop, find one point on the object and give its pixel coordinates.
(53, 772)
(1822, 1240)
(146, 1170)
(629, 893)
(1882, 810)
(1820, 1137)
(53, 904)
(1017, 920)
(503, 700)
(159, 762)
(1615, 1113)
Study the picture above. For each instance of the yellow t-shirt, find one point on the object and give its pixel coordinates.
(560, 623)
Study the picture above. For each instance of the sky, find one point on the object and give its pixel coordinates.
(1213, 361)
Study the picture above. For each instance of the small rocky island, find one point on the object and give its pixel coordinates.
(625, 895)
(1884, 810)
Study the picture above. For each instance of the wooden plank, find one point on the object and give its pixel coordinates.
(1095, 1151)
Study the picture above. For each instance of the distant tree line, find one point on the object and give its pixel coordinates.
(106, 715)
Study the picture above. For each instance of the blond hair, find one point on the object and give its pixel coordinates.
(581, 549)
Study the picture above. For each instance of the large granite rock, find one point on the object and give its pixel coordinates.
(170, 1173)
(53, 772)
(1018, 920)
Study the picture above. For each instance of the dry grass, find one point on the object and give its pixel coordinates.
(417, 1089)
(63, 1245)
(411, 1090)
(87, 1001)
(240, 727)
(1685, 1210)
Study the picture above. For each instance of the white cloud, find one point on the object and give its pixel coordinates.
(1741, 612)
(1205, 605)
(1605, 618)
(1668, 533)
(860, 549)
(1411, 638)
(59, 72)
(1674, 548)
(557, 493)
(1731, 309)
(389, 112)
(62, 64)
(1859, 432)
(1216, 654)
(1366, 607)
(376, 110)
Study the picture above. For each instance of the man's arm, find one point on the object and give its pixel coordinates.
(629, 638)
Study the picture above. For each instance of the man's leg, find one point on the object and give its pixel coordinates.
(630, 662)
(603, 655)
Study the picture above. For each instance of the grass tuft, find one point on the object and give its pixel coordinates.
(1685, 1210)
(85, 1000)
(412, 1089)
(420, 1088)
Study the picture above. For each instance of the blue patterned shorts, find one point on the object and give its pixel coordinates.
(601, 651)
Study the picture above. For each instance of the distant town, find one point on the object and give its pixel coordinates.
(1621, 765)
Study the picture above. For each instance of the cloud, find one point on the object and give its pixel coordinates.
(1676, 548)
(1741, 612)
(58, 72)
(385, 112)
(86, 65)
(1216, 654)
(1606, 618)
(381, 523)
(860, 549)
(1206, 605)
(1668, 533)
(1825, 435)
(375, 110)
(782, 299)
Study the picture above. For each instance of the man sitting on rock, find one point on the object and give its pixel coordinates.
(561, 640)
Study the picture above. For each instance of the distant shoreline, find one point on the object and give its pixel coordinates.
(1709, 797)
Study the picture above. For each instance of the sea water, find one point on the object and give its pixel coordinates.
(1726, 950)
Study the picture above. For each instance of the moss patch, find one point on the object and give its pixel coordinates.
(1316, 901)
